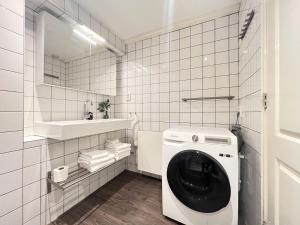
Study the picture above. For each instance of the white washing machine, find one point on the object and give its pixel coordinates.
(200, 176)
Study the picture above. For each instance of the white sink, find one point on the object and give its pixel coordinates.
(63, 130)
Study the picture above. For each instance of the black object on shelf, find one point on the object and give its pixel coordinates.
(90, 116)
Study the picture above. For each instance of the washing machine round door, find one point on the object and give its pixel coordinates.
(199, 181)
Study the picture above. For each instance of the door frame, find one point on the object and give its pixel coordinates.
(265, 149)
(264, 130)
(264, 161)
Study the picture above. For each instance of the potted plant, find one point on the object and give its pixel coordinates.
(104, 107)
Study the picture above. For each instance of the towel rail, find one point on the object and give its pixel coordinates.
(51, 75)
(208, 98)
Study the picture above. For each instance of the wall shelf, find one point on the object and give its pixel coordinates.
(73, 178)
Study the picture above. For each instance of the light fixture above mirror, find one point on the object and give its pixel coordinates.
(84, 37)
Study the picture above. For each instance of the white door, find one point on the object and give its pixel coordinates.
(283, 113)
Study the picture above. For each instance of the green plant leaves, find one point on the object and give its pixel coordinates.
(104, 106)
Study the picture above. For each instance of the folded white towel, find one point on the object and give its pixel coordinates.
(102, 156)
(112, 145)
(123, 155)
(95, 154)
(120, 152)
(92, 162)
(93, 169)
(118, 149)
(112, 141)
(118, 146)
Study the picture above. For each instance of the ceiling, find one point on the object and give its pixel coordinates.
(130, 18)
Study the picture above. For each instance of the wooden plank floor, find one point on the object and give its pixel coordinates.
(129, 199)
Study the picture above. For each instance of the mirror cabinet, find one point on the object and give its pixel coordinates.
(71, 55)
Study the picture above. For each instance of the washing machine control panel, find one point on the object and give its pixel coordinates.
(195, 138)
(225, 155)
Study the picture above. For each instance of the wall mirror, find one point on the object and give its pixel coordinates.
(74, 56)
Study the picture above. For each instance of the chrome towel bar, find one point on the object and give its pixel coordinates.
(50, 75)
(208, 98)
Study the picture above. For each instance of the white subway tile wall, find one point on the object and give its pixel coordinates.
(96, 72)
(24, 166)
(250, 92)
(29, 73)
(11, 97)
(43, 156)
(196, 61)
(57, 68)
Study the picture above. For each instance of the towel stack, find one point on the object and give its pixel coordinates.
(96, 160)
(99, 159)
(121, 150)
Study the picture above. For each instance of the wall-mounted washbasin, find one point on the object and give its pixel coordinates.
(63, 130)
